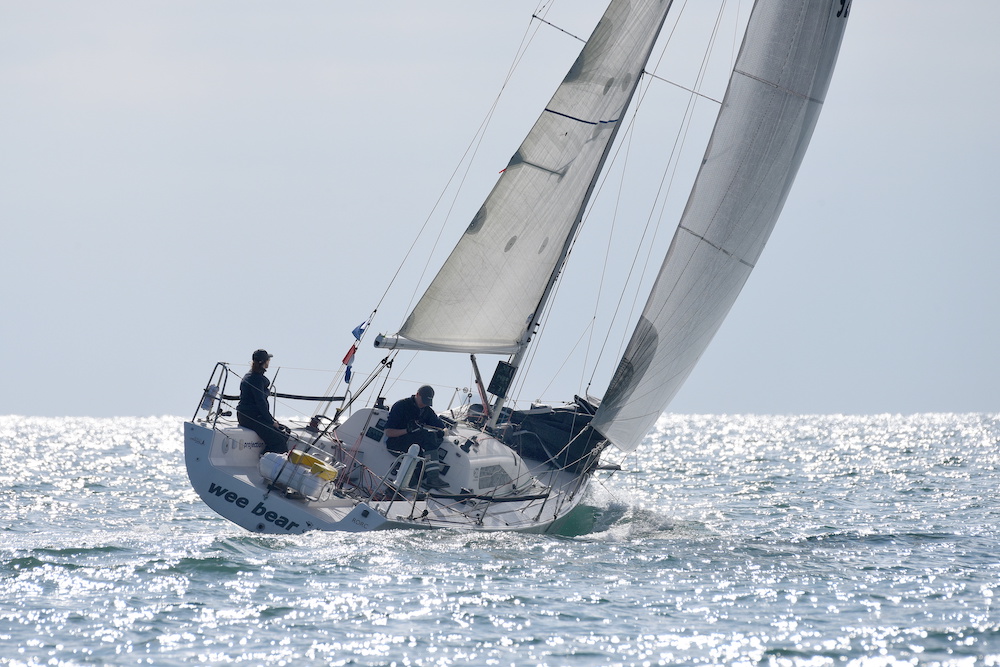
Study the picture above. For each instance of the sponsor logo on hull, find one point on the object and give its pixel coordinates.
(259, 510)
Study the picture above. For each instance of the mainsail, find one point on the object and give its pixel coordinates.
(771, 106)
(485, 296)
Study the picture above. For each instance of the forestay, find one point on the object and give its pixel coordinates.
(484, 298)
(767, 118)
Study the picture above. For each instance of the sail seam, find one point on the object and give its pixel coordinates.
(775, 85)
(717, 247)
(580, 120)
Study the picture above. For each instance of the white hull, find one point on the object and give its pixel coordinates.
(490, 486)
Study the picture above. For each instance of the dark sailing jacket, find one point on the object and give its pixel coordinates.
(405, 411)
(254, 390)
(405, 414)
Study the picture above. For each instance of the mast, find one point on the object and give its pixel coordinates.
(489, 294)
(535, 320)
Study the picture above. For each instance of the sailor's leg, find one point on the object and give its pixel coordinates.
(429, 443)
(274, 440)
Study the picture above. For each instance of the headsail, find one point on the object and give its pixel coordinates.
(767, 118)
(484, 297)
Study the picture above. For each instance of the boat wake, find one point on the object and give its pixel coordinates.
(610, 516)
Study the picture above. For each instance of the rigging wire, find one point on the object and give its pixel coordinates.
(565, 32)
(456, 180)
(467, 159)
(668, 178)
(537, 19)
(543, 317)
(459, 176)
(689, 114)
(657, 209)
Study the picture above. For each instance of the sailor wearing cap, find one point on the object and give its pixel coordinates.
(253, 411)
(405, 427)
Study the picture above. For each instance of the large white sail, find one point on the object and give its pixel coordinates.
(485, 295)
(767, 118)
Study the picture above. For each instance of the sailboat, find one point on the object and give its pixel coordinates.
(528, 469)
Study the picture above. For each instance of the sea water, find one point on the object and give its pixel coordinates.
(725, 540)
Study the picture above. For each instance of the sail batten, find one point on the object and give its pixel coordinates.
(582, 120)
(765, 122)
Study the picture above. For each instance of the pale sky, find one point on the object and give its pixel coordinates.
(184, 182)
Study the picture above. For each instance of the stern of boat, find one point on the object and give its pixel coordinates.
(223, 466)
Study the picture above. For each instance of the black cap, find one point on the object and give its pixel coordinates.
(261, 355)
(426, 394)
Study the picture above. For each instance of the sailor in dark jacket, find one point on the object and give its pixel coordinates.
(405, 427)
(253, 411)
